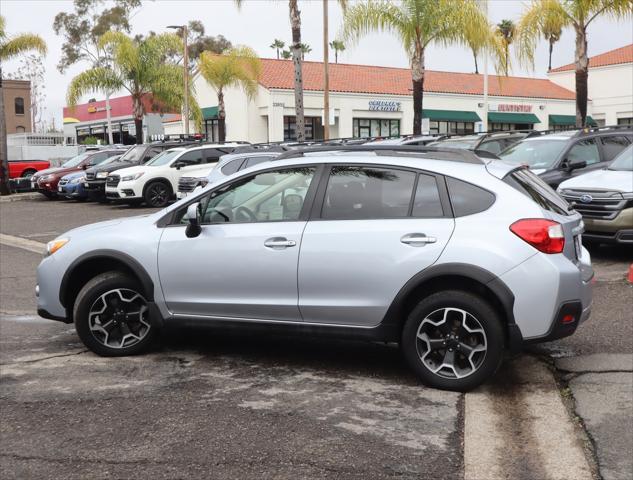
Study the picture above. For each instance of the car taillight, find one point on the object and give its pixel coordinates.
(546, 236)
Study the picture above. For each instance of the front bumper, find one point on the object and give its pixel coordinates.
(123, 191)
(617, 230)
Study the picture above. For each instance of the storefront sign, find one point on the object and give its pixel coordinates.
(509, 107)
(92, 109)
(279, 104)
(384, 106)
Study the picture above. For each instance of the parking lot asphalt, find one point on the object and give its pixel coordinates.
(225, 405)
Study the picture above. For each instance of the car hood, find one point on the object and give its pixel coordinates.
(110, 167)
(46, 171)
(616, 180)
(117, 223)
(57, 171)
(131, 170)
(72, 175)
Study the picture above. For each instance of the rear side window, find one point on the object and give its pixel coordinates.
(467, 198)
(586, 150)
(367, 193)
(611, 146)
(193, 157)
(212, 155)
(533, 187)
(427, 203)
(232, 167)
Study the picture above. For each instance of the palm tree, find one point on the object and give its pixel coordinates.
(277, 45)
(337, 46)
(417, 24)
(237, 67)
(11, 47)
(551, 31)
(577, 14)
(286, 54)
(141, 67)
(505, 30)
(305, 48)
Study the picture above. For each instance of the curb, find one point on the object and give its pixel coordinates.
(17, 197)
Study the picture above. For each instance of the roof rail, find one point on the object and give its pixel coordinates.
(261, 147)
(450, 154)
(585, 130)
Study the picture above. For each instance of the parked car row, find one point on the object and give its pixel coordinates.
(158, 172)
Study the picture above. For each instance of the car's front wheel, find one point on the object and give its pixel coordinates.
(112, 316)
(157, 194)
(453, 340)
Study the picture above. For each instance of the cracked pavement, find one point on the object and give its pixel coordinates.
(209, 404)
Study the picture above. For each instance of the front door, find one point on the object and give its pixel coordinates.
(377, 228)
(244, 262)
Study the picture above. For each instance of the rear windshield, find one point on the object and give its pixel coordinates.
(465, 143)
(535, 153)
(533, 187)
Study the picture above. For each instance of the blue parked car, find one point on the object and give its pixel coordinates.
(72, 185)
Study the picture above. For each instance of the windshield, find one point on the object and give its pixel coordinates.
(624, 161)
(134, 154)
(163, 158)
(462, 143)
(535, 154)
(73, 162)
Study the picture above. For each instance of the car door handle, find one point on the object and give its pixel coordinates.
(417, 239)
(279, 242)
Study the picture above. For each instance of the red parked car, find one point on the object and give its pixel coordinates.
(26, 168)
(45, 181)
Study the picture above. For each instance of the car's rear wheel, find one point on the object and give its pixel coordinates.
(112, 316)
(28, 173)
(157, 194)
(453, 340)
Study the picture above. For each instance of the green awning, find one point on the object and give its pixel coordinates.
(507, 117)
(451, 115)
(209, 112)
(569, 120)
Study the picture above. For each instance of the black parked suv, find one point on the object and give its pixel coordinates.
(558, 156)
(493, 142)
(137, 155)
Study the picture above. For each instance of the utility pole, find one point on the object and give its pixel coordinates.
(326, 74)
(485, 120)
(185, 109)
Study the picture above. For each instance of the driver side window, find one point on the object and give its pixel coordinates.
(266, 197)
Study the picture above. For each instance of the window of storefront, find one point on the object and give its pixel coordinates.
(211, 130)
(460, 128)
(375, 127)
(504, 127)
(625, 121)
(313, 126)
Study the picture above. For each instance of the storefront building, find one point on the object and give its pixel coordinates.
(369, 101)
(610, 85)
(90, 120)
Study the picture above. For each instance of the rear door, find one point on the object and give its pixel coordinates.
(371, 231)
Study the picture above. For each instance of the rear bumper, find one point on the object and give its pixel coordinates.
(619, 237)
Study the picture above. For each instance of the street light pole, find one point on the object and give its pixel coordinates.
(185, 60)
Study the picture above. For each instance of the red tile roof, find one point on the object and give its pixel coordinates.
(397, 81)
(612, 57)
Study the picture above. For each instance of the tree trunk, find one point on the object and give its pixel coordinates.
(221, 118)
(582, 73)
(109, 120)
(551, 47)
(326, 74)
(506, 59)
(476, 66)
(295, 23)
(417, 74)
(138, 119)
(335, 56)
(4, 158)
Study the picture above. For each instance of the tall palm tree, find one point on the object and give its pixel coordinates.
(142, 68)
(305, 48)
(577, 14)
(11, 47)
(337, 46)
(505, 30)
(552, 31)
(286, 54)
(278, 45)
(297, 56)
(417, 24)
(237, 67)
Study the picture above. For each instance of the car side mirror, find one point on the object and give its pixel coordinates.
(85, 166)
(194, 217)
(178, 164)
(575, 164)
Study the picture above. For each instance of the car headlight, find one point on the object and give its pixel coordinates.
(628, 196)
(136, 176)
(54, 245)
(78, 180)
(45, 178)
(102, 174)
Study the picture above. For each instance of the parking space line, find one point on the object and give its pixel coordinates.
(521, 429)
(23, 243)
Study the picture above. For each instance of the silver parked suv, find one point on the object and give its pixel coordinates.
(453, 256)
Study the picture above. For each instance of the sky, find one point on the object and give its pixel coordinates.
(259, 22)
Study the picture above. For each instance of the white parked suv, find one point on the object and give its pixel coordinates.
(157, 181)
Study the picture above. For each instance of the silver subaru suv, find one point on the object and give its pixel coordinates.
(453, 256)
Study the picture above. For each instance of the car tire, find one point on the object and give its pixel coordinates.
(104, 316)
(157, 193)
(28, 173)
(458, 328)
